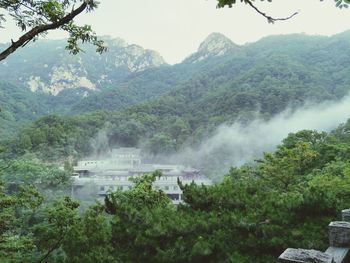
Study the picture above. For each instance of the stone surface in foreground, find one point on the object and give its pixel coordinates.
(305, 256)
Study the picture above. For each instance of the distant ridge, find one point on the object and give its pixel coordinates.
(218, 82)
(58, 70)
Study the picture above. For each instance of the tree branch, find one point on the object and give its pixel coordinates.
(56, 245)
(269, 18)
(23, 40)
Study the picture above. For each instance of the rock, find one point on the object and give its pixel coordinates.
(55, 70)
(346, 215)
(339, 254)
(339, 234)
(214, 45)
(305, 256)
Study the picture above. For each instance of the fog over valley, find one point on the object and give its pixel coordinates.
(238, 144)
(178, 132)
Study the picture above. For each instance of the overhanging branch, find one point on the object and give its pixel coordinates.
(270, 19)
(23, 40)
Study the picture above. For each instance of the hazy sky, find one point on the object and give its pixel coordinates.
(175, 28)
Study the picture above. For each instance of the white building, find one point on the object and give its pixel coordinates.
(115, 172)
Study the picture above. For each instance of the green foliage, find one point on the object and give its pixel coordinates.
(286, 199)
(286, 168)
(33, 225)
(37, 17)
(16, 210)
(56, 221)
(255, 81)
(160, 143)
(342, 3)
(141, 196)
(49, 179)
(55, 138)
(92, 238)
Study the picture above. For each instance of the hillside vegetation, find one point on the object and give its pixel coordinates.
(284, 199)
(257, 80)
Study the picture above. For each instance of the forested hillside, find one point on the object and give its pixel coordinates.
(249, 83)
(252, 82)
(55, 80)
(232, 155)
(282, 70)
(206, 89)
(286, 199)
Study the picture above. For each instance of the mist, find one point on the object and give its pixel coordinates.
(238, 144)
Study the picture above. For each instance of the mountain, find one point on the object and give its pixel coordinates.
(17, 105)
(171, 106)
(221, 82)
(45, 66)
(43, 77)
(215, 45)
(142, 86)
(283, 199)
(265, 77)
(125, 75)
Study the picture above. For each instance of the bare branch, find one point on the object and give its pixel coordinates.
(269, 18)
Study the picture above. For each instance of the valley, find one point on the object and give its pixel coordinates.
(264, 125)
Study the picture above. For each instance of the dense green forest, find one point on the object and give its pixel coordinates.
(285, 199)
(250, 83)
(255, 80)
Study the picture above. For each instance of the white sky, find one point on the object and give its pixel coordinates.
(175, 28)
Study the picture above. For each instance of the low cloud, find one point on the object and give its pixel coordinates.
(237, 144)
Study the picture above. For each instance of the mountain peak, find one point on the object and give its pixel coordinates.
(216, 44)
(60, 71)
(133, 57)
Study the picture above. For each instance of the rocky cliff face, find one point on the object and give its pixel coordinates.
(215, 45)
(133, 57)
(46, 66)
